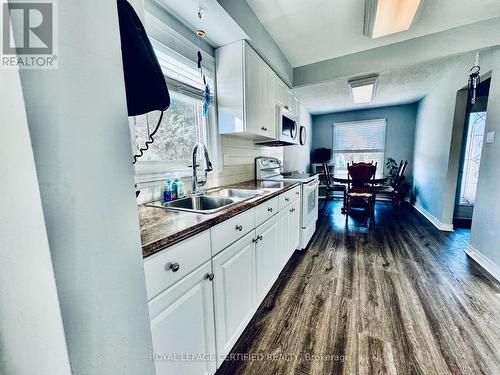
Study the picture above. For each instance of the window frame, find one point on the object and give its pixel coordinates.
(380, 168)
(151, 171)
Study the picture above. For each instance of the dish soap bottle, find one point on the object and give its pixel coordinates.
(167, 193)
(181, 193)
(173, 189)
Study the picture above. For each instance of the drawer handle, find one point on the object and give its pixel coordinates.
(270, 209)
(210, 276)
(239, 227)
(297, 193)
(259, 238)
(263, 128)
(287, 199)
(174, 267)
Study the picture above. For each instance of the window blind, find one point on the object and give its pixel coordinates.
(359, 136)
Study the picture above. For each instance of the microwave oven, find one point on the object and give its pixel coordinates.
(287, 128)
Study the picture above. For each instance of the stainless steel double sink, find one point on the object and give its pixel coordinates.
(209, 202)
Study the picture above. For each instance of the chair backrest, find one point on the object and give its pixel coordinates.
(400, 176)
(328, 175)
(360, 174)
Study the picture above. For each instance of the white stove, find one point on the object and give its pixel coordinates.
(270, 169)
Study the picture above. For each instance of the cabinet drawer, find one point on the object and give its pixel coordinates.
(266, 210)
(288, 197)
(229, 231)
(160, 270)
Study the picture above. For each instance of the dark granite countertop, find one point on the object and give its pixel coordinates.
(161, 228)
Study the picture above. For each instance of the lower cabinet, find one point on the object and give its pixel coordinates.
(267, 256)
(294, 226)
(197, 317)
(234, 288)
(284, 219)
(182, 325)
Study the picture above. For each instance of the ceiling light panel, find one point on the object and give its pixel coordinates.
(385, 17)
(363, 89)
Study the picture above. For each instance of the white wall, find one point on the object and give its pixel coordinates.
(31, 330)
(78, 124)
(485, 234)
(436, 157)
(298, 158)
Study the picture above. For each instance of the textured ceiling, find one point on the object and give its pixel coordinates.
(397, 86)
(309, 31)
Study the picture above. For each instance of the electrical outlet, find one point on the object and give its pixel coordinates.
(490, 137)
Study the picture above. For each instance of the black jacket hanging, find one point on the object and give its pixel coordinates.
(144, 81)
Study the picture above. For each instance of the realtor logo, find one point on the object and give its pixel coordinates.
(29, 31)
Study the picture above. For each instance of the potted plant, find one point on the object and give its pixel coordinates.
(392, 169)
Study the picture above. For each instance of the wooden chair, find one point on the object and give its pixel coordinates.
(394, 189)
(331, 187)
(359, 187)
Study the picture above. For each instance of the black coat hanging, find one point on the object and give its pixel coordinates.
(144, 82)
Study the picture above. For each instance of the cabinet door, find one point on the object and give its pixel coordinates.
(269, 112)
(284, 218)
(234, 285)
(253, 91)
(294, 227)
(182, 323)
(268, 260)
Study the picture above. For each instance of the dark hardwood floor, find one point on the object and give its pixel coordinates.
(395, 296)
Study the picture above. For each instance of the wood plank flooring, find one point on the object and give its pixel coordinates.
(394, 296)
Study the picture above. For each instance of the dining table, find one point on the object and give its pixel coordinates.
(374, 181)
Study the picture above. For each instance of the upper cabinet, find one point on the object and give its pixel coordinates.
(248, 93)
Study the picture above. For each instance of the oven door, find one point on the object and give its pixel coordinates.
(309, 203)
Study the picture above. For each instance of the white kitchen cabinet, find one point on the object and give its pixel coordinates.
(284, 218)
(235, 291)
(283, 94)
(182, 323)
(246, 93)
(294, 226)
(267, 256)
(191, 314)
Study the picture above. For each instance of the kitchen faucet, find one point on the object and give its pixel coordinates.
(195, 182)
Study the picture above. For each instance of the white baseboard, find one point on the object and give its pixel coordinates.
(439, 225)
(484, 262)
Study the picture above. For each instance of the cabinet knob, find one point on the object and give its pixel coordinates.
(255, 240)
(292, 209)
(297, 193)
(263, 128)
(174, 267)
(210, 276)
(239, 227)
(287, 199)
(270, 209)
(259, 237)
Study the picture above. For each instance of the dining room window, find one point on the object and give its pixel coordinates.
(358, 141)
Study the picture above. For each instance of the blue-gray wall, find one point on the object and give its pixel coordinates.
(400, 133)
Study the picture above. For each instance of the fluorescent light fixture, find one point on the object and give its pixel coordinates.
(385, 17)
(363, 88)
